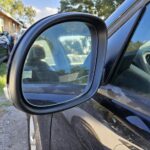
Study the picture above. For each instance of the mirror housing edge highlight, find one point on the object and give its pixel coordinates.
(15, 68)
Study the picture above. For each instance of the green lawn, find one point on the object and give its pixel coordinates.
(2, 78)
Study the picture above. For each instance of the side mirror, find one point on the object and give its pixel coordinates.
(58, 63)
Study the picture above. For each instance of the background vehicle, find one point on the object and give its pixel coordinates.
(5, 47)
(117, 116)
(4, 51)
(18, 35)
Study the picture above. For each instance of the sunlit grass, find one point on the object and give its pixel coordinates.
(2, 78)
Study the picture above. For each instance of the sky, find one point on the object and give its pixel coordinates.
(43, 7)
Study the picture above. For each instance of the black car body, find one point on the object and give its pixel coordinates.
(118, 115)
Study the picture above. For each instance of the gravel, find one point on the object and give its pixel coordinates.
(13, 127)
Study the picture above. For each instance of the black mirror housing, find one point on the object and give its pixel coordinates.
(21, 50)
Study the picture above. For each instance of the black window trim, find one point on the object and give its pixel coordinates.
(122, 52)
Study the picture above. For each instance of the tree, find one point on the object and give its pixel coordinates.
(30, 13)
(5, 4)
(101, 8)
(17, 9)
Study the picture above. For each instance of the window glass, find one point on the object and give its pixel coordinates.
(62, 51)
(133, 73)
(1, 24)
(47, 49)
(51, 72)
(77, 48)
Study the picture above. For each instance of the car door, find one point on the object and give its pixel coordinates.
(118, 116)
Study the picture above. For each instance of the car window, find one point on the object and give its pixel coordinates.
(48, 59)
(80, 45)
(48, 51)
(133, 73)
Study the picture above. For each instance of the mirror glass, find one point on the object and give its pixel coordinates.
(57, 67)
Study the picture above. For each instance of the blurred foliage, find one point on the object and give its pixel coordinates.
(18, 10)
(101, 8)
(134, 46)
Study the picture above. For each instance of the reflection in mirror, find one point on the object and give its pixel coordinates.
(57, 67)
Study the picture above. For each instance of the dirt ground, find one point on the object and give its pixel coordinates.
(13, 127)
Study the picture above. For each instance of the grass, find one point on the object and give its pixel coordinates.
(2, 78)
(2, 85)
(5, 104)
